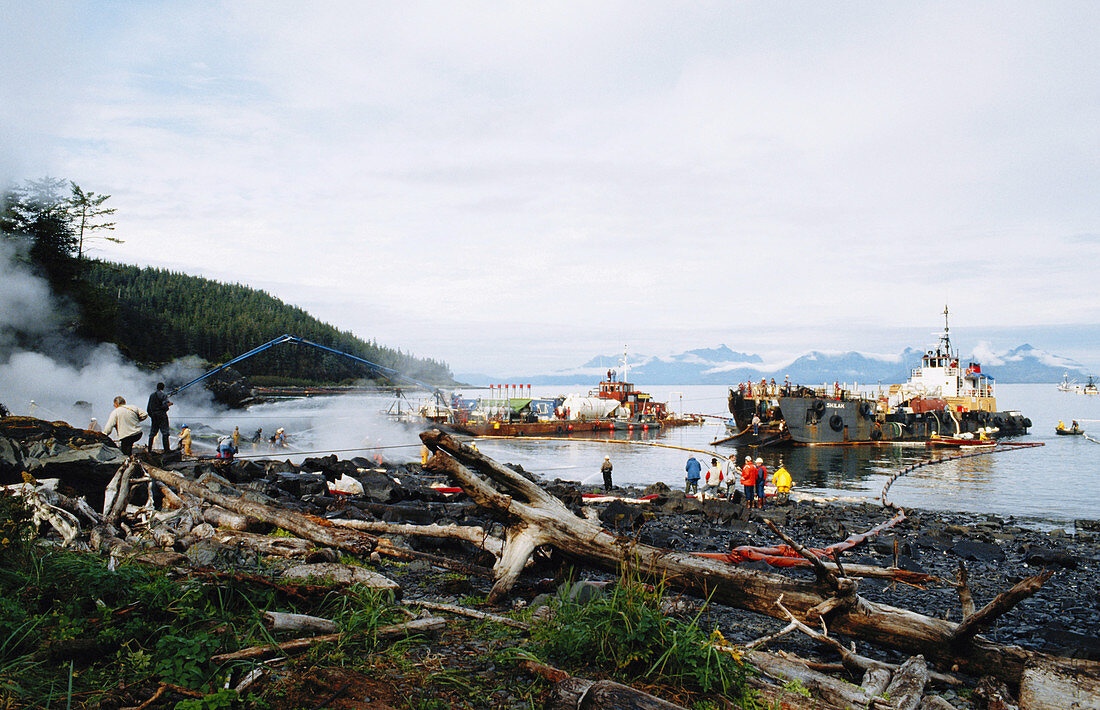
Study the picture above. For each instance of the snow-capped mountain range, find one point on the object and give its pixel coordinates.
(723, 366)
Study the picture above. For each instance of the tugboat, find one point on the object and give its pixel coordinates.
(942, 401)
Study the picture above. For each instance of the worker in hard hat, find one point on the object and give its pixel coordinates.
(761, 478)
(226, 450)
(605, 469)
(185, 440)
(782, 481)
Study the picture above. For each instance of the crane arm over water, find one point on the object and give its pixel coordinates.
(387, 371)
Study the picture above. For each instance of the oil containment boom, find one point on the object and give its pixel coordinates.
(389, 372)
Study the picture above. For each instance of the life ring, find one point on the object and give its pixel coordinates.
(818, 407)
(836, 422)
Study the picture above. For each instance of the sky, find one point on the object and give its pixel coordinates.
(515, 187)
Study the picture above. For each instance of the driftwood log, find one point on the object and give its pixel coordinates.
(297, 623)
(572, 693)
(832, 690)
(309, 527)
(471, 534)
(471, 613)
(1045, 687)
(416, 626)
(533, 517)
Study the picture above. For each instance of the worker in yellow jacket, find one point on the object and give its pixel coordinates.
(782, 481)
(185, 440)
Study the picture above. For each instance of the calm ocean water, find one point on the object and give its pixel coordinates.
(1050, 485)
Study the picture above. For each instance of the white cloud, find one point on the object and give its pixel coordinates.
(494, 185)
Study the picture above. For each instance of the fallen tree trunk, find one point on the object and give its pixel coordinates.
(572, 693)
(342, 574)
(471, 613)
(1003, 602)
(298, 623)
(907, 686)
(416, 626)
(474, 535)
(534, 517)
(293, 547)
(832, 690)
(1046, 688)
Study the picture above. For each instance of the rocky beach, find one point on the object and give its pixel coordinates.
(1062, 618)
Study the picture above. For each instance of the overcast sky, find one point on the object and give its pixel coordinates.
(515, 187)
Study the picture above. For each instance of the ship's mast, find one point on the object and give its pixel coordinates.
(946, 339)
(624, 379)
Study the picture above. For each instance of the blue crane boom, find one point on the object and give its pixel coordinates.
(389, 372)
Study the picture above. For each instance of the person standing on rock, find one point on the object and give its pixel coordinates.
(748, 481)
(126, 420)
(185, 440)
(158, 414)
(606, 471)
(693, 469)
(761, 478)
(237, 437)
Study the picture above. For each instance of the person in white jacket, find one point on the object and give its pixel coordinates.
(712, 480)
(126, 420)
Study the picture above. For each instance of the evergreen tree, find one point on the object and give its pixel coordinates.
(88, 214)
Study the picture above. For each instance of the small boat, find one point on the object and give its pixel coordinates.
(1090, 387)
(773, 433)
(1068, 385)
(958, 442)
(1072, 430)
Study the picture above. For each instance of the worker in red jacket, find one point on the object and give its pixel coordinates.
(748, 482)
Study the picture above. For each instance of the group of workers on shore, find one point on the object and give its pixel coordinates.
(126, 422)
(752, 476)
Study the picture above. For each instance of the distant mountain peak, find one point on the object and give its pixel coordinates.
(723, 365)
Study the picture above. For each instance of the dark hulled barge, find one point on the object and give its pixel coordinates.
(942, 402)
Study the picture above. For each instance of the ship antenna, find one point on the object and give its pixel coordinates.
(946, 334)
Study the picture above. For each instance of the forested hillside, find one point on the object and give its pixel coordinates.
(156, 316)
(162, 315)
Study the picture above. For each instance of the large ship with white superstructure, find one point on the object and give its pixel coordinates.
(943, 400)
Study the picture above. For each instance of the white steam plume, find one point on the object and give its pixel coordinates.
(82, 384)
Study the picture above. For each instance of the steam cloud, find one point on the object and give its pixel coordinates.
(76, 381)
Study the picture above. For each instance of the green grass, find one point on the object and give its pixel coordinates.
(144, 628)
(625, 633)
